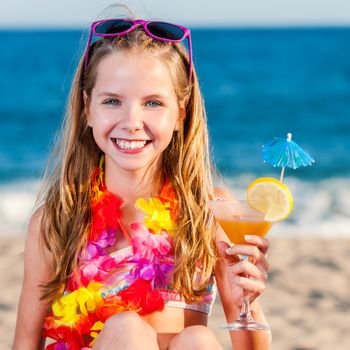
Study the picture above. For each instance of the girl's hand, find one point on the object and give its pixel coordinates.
(250, 274)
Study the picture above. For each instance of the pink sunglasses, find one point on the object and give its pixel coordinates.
(162, 31)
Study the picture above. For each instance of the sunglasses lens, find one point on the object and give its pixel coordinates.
(113, 26)
(165, 30)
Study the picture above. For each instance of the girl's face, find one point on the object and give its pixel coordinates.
(133, 110)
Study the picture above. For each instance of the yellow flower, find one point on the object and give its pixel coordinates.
(96, 327)
(158, 214)
(83, 300)
(88, 298)
(66, 309)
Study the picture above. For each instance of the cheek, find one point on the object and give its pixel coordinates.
(167, 123)
(101, 121)
(164, 129)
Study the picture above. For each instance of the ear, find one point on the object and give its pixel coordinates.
(86, 107)
(182, 115)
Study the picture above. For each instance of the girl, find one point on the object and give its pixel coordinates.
(122, 254)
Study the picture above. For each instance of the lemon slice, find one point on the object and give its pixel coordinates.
(271, 197)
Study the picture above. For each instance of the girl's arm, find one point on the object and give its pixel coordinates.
(32, 310)
(228, 273)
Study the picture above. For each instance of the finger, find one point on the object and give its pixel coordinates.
(262, 263)
(251, 251)
(250, 286)
(223, 247)
(255, 255)
(260, 242)
(249, 270)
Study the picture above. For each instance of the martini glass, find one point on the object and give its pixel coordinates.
(238, 218)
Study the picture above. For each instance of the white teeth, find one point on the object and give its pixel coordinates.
(130, 145)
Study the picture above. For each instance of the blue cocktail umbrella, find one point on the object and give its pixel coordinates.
(285, 153)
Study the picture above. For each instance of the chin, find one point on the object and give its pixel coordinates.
(132, 165)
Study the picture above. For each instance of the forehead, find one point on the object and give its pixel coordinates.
(135, 73)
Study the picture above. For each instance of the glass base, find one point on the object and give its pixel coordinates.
(245, 326)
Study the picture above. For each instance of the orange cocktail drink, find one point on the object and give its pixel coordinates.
(237, 228)
(239, 218)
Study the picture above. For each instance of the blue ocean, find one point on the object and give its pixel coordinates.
(257, 83)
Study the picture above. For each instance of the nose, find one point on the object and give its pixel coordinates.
(132, 119)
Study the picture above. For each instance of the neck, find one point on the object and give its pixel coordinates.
(130, 185)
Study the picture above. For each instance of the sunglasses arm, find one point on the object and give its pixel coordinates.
(190, 53)
(88, 46)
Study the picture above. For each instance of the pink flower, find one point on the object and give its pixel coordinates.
(149, 253)
(97, 269)
(146, 245)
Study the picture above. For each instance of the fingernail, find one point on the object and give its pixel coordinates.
(248, 237)
(228, 250)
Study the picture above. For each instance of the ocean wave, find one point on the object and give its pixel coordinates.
(321, 208)
(16, 206)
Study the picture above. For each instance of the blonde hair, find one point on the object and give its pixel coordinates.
(66, 213)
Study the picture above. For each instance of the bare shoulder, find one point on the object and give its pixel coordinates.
(35, 221)
(34, 244)
(34, 231)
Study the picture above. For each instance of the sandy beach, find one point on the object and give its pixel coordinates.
(306, 300)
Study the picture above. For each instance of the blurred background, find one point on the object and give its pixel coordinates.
(266, 68)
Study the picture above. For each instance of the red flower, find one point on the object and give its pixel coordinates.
(168, 196)
(105, 214)
(67, 337)
(64, 336)
(141, 297)
(112, 304)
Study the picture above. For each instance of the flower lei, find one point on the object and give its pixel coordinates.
(79, 315)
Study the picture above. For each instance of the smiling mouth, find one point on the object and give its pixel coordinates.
(130, 144)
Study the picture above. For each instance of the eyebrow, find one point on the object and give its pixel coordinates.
(106, 93)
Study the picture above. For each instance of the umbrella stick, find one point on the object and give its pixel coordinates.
(282, 174)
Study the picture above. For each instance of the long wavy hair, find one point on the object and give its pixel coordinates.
(66, 213)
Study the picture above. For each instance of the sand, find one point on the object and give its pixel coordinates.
(307, 299)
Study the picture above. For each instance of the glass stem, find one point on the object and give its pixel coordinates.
(245, 314)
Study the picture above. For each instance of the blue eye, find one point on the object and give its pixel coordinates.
(112, 101)
(154, 103)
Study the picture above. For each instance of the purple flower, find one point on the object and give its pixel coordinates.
(163, 274)
(107, 238)
(158, 273)
(147, 272)
(93, 250)
(97, 248)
